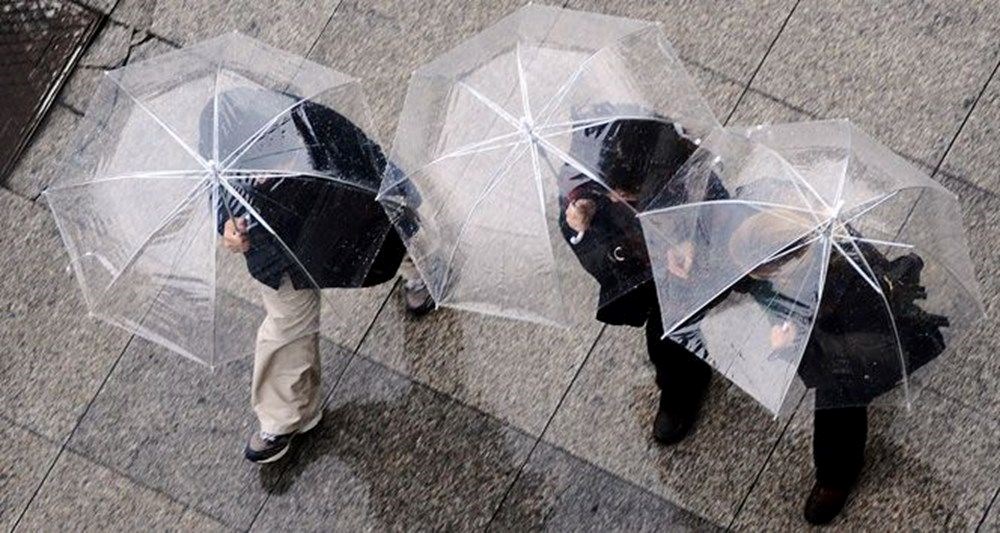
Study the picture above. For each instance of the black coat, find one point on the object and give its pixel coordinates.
(338, 233)
(852, 354)
(646, 154)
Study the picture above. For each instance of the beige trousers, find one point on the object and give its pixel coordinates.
(285, 393)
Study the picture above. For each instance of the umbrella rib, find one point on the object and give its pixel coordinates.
(493, 106)
(865, 208)
(522, 83)
(536, 167)
(235, 155)
(843, 179)
(167, 219)
(490, 186)
(485, 148)
(778, 254)
(752, 203)
(294, 174)
(558, 96)
(215, 115)
(581, 168)
(895, 330)
(576, 125)
(824, 268)
(159, 122)
(876, 241)
(796, 176)
(870, 280)
(166, 174)
(257, 216)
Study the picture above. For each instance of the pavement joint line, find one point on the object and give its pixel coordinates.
(66, 440)
(27, 428)
(982, 521)
(760, 65)
(322, 30)
(965, 120)
(541, 435)
(739, 100)
(951, 144)
(766, 463)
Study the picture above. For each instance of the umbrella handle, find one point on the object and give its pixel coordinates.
(574, 240)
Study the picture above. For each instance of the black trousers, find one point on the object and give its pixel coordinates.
(839, 438)
(839, 434)
(681, 375)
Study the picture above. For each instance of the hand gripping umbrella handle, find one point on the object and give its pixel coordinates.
(574, 240)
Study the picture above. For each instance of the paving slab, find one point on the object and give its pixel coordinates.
(383, 41)
(906, 72)
(292, 25)
(394, 455)
(577, 496)
(41, 162)
(22, 467)
(607, 419)
(513, 370)
(55, 356)
(192, 520)
(84, 496)
(177, 427)
(974, 154)
(931, 470)
(729, 37)
(117, 45)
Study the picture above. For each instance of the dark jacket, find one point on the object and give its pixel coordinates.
(852, 353)
(635, 155)
(337, 233)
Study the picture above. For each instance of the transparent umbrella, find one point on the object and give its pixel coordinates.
(830, 263)
(499, 133)
(173, 147)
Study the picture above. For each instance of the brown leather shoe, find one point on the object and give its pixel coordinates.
(824, 504)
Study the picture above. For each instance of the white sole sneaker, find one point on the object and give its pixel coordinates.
(309, 426)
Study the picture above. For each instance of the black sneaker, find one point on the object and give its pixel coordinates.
(418, 298)
(264, 447)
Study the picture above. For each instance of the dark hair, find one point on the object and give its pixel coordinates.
(635, 155)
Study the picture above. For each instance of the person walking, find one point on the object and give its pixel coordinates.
(316, 236)
(635, 157)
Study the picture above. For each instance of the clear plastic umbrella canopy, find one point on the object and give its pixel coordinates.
(827, 263)
(173, 147)
(497, 133)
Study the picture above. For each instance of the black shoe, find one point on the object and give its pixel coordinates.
(824, 504)
(418, 298)
(674, 420)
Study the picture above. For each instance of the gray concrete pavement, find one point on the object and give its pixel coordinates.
(107, 431)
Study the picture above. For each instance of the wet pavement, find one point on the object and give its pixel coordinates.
(482, 423)
(40, 42)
